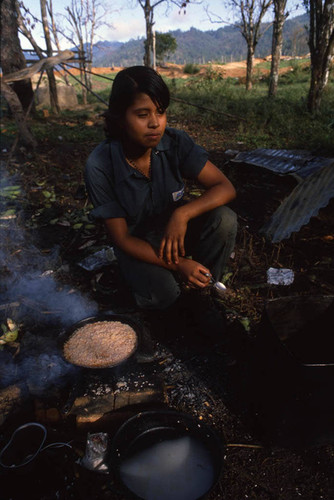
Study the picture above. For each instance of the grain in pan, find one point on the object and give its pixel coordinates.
(100, 344)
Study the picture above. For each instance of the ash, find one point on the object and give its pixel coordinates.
(185, 386)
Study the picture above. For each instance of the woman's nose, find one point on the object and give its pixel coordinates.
(154, 122)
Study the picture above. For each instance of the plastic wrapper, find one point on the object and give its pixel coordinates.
(280, 276)
(99, 259)
(96, 452)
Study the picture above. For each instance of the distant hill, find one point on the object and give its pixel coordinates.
(196, 46)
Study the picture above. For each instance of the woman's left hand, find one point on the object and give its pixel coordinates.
(172, 244)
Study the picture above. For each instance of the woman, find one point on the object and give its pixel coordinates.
(135, 182)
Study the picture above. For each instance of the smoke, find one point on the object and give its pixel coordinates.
(32, 295)
(43, 295)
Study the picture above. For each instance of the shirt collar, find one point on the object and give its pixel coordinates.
(121, 168)
(165, 142)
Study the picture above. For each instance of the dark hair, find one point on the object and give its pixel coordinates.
(128, 83)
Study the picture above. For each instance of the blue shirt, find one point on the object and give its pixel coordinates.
(118, 190)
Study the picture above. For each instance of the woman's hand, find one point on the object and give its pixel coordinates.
(172, 244)
(193, 273)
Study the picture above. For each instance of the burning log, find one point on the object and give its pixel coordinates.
(134, 388)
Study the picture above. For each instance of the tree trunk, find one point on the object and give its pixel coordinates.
(249, 71)
(12, 58)
(82, 67)
(277, 43)
(18, 113)
(51, 77)
(321, 43)
(55, 35)
(148, 12)
(319, 80)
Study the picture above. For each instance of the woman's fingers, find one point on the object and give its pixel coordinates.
(162, 248)
(182, 251)
(171, 249)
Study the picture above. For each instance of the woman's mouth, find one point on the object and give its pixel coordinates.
(153, 136)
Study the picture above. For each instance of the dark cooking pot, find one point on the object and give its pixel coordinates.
(164, 454)
(122, 318)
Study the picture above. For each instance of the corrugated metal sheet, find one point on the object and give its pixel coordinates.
(299, 163)
(304, 202)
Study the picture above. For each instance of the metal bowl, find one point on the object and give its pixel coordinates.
(166, 454)
(110, 317)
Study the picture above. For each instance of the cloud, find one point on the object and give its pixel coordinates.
(124, 30)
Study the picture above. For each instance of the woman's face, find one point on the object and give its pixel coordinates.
(143, 123)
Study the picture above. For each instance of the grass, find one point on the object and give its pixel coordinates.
(280, 122)
(212, 102)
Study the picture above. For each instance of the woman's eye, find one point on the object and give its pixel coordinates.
(142, 115)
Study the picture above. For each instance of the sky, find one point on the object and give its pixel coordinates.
(127, 18)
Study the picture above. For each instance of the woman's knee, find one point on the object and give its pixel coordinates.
(226, 221)
(158, 297)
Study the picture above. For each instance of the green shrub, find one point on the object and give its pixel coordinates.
(191, 69)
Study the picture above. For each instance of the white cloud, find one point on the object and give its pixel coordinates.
(123, 30)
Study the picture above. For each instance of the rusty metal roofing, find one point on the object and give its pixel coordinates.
(304, 202)
(299, 163)
(315, 187)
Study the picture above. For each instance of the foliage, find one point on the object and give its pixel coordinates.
(191, 69)
(8, 333)
(241, 120)
(212, 74)
(166, 45)
(283, 122)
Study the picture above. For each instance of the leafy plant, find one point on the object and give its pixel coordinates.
(10, 331)
(191, 69)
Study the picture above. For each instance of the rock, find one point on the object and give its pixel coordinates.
(67, 97)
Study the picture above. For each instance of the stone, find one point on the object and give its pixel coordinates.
(67, 97)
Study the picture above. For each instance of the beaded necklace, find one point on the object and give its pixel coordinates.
(133, 164)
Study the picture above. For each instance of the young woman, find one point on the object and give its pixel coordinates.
(135, 180)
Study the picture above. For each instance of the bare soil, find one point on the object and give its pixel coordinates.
(236, 69)
(274, 418)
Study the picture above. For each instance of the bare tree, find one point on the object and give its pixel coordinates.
(148, 7)
(12, 58)
(82, 20)
(321, 43)
(23, 28)
(75, 18)
(251, 15)
(19, 95)
(277, 43)
(49, 50)
(54, 31)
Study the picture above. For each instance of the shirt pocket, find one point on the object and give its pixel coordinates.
(178, 195)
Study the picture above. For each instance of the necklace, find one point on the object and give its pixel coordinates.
(133, 164)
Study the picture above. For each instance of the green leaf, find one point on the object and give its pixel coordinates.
(11, 336)
(245, 323)
(47, 194)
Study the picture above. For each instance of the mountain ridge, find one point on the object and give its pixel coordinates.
(195, 46)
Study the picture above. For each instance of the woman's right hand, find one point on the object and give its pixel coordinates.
(194, 274)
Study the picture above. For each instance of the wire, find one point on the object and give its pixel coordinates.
(176, 99)
(86, 87)
(30, 458)
(91, 72)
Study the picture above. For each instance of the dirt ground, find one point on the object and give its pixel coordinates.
(227, 70)
(274, 418)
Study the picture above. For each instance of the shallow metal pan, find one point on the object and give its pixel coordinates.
(110, 317)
